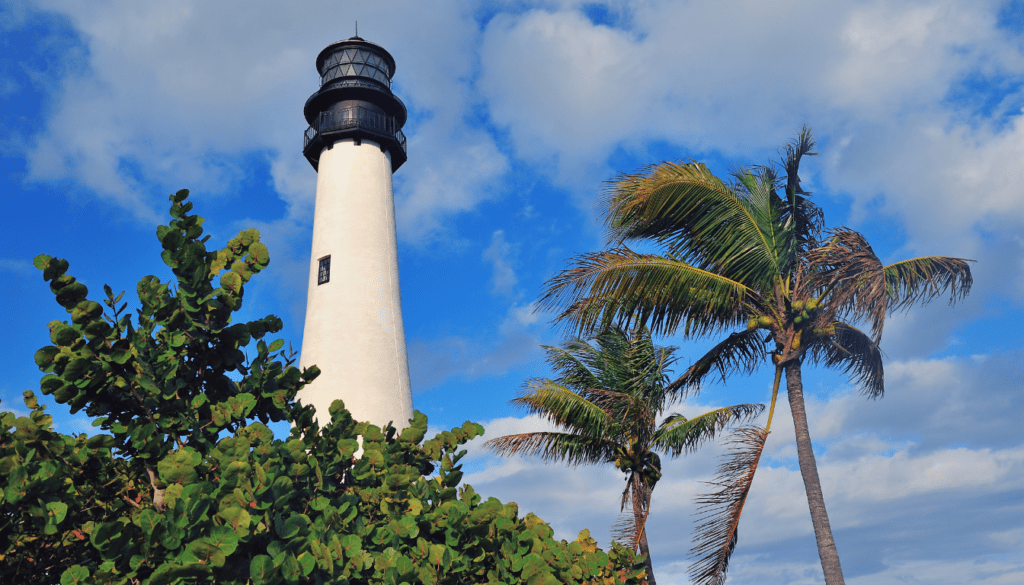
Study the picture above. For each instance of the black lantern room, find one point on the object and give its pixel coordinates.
(355, 101)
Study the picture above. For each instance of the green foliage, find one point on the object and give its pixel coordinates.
(189, 485)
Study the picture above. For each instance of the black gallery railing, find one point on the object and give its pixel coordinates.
(355, 117)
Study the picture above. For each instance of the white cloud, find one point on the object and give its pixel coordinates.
(21, 267)
(874, 79)
(499, 254)
(175, 94)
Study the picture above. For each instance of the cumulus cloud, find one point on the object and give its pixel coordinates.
(158, 96)
(877, 81)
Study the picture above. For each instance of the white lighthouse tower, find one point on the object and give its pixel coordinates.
(353, 329)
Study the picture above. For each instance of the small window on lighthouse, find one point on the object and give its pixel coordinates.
(324, 273)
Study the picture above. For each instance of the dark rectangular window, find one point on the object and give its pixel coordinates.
(324, 273)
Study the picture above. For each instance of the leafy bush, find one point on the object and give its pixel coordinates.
(190, 485)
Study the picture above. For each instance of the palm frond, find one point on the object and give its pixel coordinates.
(846, 269)
(572, 449)
(696, 216)
(561, 406)
(577, 362)
(862, 288)
(923, 279)
(719, 512)
(677, 434)
(806, 218)
(627, 289)
(741, 352)
(624, 530)
(854, 352)
(768, 211)
(626, 407)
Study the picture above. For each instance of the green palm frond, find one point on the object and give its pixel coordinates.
(561, 406)
(920, 280)
(720, 511)
(677, 434)
(766, 211)
(697, 217)
(854, 352)
(741, 352)
(626, 288)
(572, 449)
(577, 362)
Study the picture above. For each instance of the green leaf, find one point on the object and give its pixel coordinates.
(231, 281)
(74, 575)
(40, 262)
(224, 538)
(259, 254)
(208, 553)
(76, 368)
(59, 511)
(262, 570)
(169, 573)
(44, 357)
(276, 345)
(120, 356)
(238, 519)
(306, 562)
(101, 442)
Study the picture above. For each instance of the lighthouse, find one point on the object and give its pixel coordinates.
(353, 330)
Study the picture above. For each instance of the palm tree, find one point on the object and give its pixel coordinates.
(606, 402)
(738, 256)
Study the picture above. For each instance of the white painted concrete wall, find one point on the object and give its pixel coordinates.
(354, 331)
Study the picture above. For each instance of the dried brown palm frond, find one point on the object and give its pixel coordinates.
(624, 530)
(719, 512)
(638, 495)
(861, 287)
(852, 351)
(847, 270)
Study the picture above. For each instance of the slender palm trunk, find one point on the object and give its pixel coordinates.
(809, 470)
(641, 527)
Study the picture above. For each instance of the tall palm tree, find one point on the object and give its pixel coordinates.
(738, 256)
(605, 403)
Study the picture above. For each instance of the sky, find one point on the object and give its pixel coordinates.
(519, 111)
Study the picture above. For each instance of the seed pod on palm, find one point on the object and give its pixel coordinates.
(796, 340)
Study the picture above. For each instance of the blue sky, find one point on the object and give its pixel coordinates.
(518, 112)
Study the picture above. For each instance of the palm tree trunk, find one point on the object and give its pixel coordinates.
(641, 526)
(809, 470)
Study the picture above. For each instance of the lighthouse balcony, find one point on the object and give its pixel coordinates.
(355, 122)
